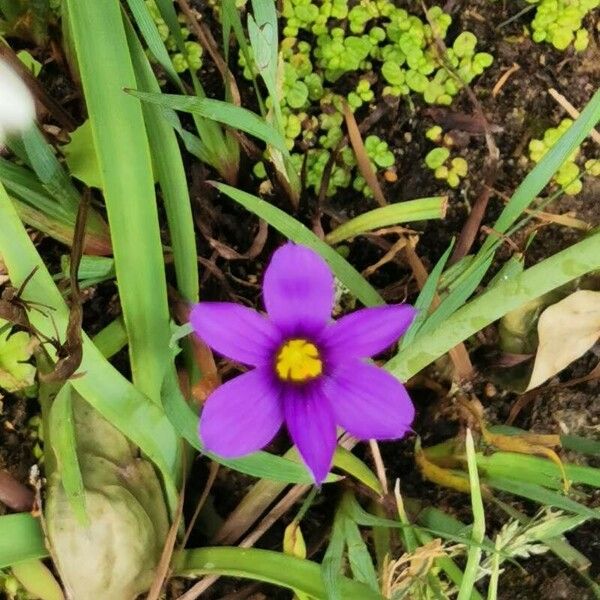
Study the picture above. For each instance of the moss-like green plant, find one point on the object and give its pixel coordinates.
(439, 161)
(567, 177)
(560, 22)
(378, 48)
(192, 59)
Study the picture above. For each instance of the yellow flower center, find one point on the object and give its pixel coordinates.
(298, 360)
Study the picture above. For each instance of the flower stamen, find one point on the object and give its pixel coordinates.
(298, 360)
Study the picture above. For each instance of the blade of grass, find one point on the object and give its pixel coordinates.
(168, 164)
(217, 110)
(156, 46)
(421, 209)
(62, 441)
(478, 532)
(221, 150)
(112, 338)
(541, 495)
(124, 158)
(581, 258)
(332, 561)
(266, 565)
(535, 181)
(297, 232)
(426, 297)
(535, 469)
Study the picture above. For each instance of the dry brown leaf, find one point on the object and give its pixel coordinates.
(566, 331)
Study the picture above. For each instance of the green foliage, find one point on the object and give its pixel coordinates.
(439, 161)
(191, 59)
(560, 22)
(377, 48)
(15, 350)
(568, 175)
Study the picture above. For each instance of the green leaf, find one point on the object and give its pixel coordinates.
(62, 440)
(123, 154)
(266, 565)
(581, 258)
(408, 211)
(15, 350)
(80, 156)
(541, 495)
(331, 566)
(171, 176)
(21, 538)
(217, 110)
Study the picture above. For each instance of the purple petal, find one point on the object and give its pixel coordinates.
(369, 402)
(298, 290)
(311, 425)
(241, 416)
(235, 331)
(367, 332)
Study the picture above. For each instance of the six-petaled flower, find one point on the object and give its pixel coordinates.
(309, 372)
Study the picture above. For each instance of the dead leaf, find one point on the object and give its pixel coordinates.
(566, 331)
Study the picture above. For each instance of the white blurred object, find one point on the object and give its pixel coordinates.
(17, 107)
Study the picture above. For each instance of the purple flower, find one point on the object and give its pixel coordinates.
(309, 372)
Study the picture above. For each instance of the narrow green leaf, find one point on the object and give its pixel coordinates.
(124, 158)
(478, 531)
(166, 158)
(297, 232)
(542, 495)
(425, 298)
(332, 561)
(220, 111)
(535, 469)
(156, 46)
(581, 258)
(62, 440)
(266, 565)
(350, 463)
(535, 181)
(408, 211)
(359, 557)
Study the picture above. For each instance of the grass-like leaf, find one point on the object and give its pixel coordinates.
(124, 158)
(265, 565)
(581, 258)
(222, 112)
(421, 209)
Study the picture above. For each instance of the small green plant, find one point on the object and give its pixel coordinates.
(560, 22)
(452, 170)
(567, 177)
(192, 58)
(380, 50)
